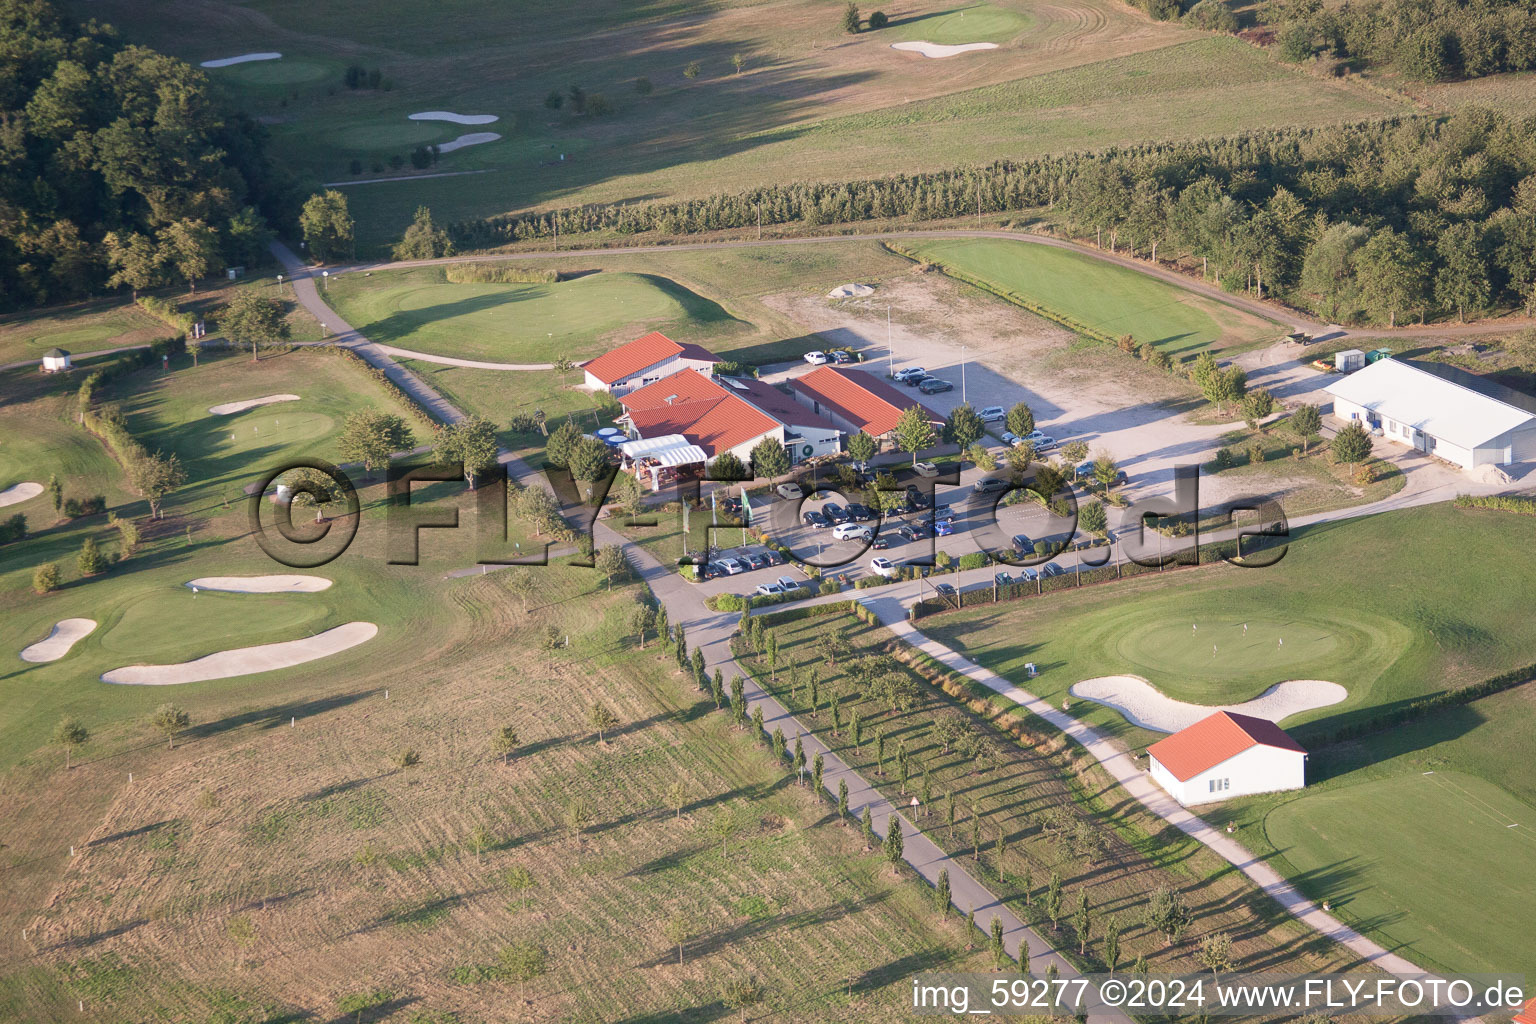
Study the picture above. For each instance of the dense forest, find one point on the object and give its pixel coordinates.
(1369, 221)
(118, 166)
(1427, 40)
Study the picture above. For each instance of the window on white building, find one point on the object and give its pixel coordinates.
(1220, 785)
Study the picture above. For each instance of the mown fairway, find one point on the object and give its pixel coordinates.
(90, 327)
(1461, 894)
(1414, 615)
(810, 102)
(521, 323)
(1109, 299)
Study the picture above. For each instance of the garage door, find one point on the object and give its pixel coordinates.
(1524, 444)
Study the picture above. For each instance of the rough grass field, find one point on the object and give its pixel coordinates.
(89, 327)
(522, 323)
(1106, 75)
(264, 872)
(1413, 616)
(1107, 298)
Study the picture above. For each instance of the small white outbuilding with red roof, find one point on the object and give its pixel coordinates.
(1225, 755)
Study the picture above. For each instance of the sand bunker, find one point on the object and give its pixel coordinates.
(244, 58)
(230, 408)
(940, 49)
(244, 661)
(1142, 703)
(64, 635)
(261, 584)
(448, 115)
(20, 492)
(472, 139)
(849, 291)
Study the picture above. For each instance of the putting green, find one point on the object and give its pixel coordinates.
(1460, 895)
(519, 323)
(1217, 649)
(209, 622)
(286, 71)
(976, 23)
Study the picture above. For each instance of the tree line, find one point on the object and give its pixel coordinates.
(1369, 221)
(118, 165)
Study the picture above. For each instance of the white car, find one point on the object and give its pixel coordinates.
(993, 414)
(733, 566)
(816, 358)
(788, 584)
(790, 492)
(925, 469)
(853, 531)
(769, 589)
(908, 371)
(883, 567)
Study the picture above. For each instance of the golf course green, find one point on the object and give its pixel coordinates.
(972, 23)
(1109, 299)
(519, 323)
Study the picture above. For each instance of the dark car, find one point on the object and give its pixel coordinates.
(773, 558)
(945, 589)
(839, 356)
(1002, 579)
(859, 513)
(835, 512)
(917, 497)
(1022, 545)
(815, 520)
(879, 543)
(916, 380)
(757, 561)
(1052, 569)
(933, 385)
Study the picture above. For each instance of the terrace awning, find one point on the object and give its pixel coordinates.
(686, 455)
(652, 445)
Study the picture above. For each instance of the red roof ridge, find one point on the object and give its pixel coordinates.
(860, 397)
(632, 357)
(1216, 738)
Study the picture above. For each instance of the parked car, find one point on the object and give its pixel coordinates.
(993, 414)
(909, 371)
(772, 557)
(879, 543)
(816, 358)
(839, 356)
(1022, 545)
(1085, 472)
(991, 485)
(943, 509)
(789, 583)
(1052, 569)
(882, 566)
(1028, 574)
(943, 528)
(1010, 439)
(1002, 579)
(733, 566)
(835, 512)
(790, 492)
(913, 382)
(769, 589)
(757, 561)
(1040, 439)
(934, 385)
(815, 520)
(945, 589)
(925, 469)
(852, 531)
(859, 512)
(917, 497)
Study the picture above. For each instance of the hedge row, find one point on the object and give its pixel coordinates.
(168, 312)
(1499, 502)
(1422, 708)
(498, 273)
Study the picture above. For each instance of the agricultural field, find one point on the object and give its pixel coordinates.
(1415, 616)
(422, 310)
(1063, 78)
(1356, 837)
(1005, 773)
(1102, 296)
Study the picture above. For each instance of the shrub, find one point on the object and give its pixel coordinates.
(851, 19)
(1223, 459)
(598, 105)
(1498, 502)
(829, 586)
(643, 86)
(90, 560)
(972, 560)
(45, 577)
(14, 528)
(878, 19)
(1255, 453)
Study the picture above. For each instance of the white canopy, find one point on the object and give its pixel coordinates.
(652, 445)
(687, 455)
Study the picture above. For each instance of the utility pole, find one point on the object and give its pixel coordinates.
(556, 217)
(890, 353)
(759, 222)
(962, 375)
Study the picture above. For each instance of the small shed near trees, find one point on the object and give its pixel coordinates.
(56, 360)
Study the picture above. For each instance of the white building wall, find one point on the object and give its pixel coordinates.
(821, 441)
(743, 451)
(1256, 770)
(651, 374)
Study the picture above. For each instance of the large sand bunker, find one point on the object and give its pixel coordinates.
(20, 492)
(850, 291)
(244, 58)
(230, 408)
(472, 139)
(448, 115)
(261, 584)
(64, 635)
(1142, 703)
(244, 661)
(941, 49)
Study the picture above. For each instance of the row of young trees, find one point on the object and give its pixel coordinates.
(1376, 220)
(119, 165)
